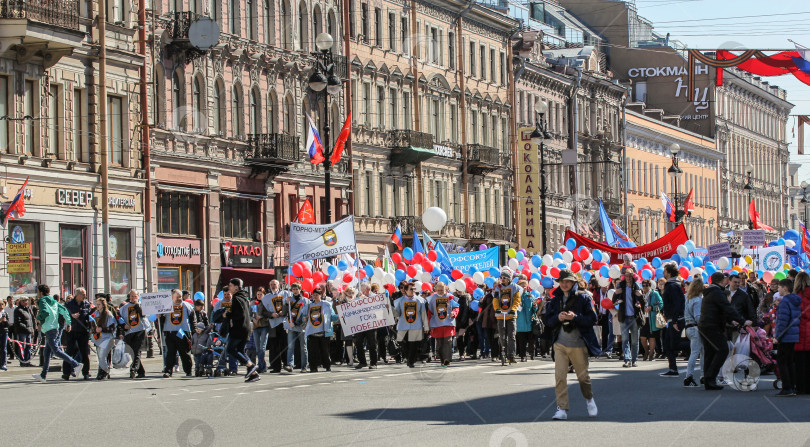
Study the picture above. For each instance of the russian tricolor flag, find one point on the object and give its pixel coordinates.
(396, 238)
(669, 208)
(314, 146)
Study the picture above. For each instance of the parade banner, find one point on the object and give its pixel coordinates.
(308, 242)
(156, 302)
(768, 258)
(481, 260)
(365, 314)
(662, 248)
(717, 251)
(753, 238)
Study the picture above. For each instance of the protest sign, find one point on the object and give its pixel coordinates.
(481, 259)
(310, 242)
(156, 302)
(717, 251)
(754, 238)
(365, 314)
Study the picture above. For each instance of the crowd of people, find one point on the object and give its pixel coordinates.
(284, 330)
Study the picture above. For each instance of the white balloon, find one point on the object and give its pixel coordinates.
(389, 278)
(325, 267)
(513, 264)
(378, 271)
(548, 260)
(418, 285)
(589, 260)
(540, 289)
(789, 243)
(460, 285)
(451, 287)
(682, 251)
(434, 218)
(425, 277)
(610, 293)
(534, 284)
(478, 278)
(696, 271)
(723, 263)
(568, 257)
(615, 272)
(603, 282)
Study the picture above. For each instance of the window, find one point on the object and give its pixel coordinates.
(406, 44)
(71, 251)
(493, 75)
(120, 262)
(352, 21)
(410, 210)
(434, 45)
(474, 127)
(250, 19)
(394, 109)
(269, 17)
(219, 109)
(289, 115)
(380, 191)
(238, 112)
(457, 202)
(29, 109)
(451, 37)
(453, 123)
(303, 38)
(117, 13)
(4, 141)
(272, 110)
(115, 129)
(364, 23)
(197, 106)
(177, 213)
(503, 68)
(378, 27)
(238, 217)
(316, 20)
(255, 112)
(25, 284)
(483, 61)
(406, 110)
(487, 210)
(369, 195)
(54, 121)
(397, 198)
(437, 194)
(505, 136)
(367, 104)
(80, 152)
(285, 25)
(179, 122)
(472, 58)
(380, 107)
(498, 212)
(233, 15)
(392, 31)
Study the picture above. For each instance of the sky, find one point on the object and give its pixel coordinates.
(712, 24)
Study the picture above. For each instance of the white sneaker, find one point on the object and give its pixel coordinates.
(592, 411)
(560, 415)
(38, 377)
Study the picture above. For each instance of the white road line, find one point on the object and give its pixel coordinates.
(190, 400)
(262, 391)
(300, 386)
(282, 388)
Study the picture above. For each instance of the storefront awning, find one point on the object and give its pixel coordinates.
(251, 277)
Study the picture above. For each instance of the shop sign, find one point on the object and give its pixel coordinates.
(75, 197)
(242, 254)
(19, 257)
(178, 251)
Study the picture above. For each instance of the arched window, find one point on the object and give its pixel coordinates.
(219, 108)
(198, 106)
(272, 111)
(158, 95)
(237, 112)
(178, 111)
(233, 16)
(330, 25)
(269, 17)
(286, 25)
(317, 20)
(306, 112)
(255, 112)
(303, 38)
(289, 115)
(250, 19)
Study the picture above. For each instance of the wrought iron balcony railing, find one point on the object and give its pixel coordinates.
(273, 147)
(490, 232)
(61, 13)
(409, 138)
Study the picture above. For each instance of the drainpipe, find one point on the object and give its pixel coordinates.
(347, 95)
(574, 139)
(624, 154)
(146, 196)
(102, 109)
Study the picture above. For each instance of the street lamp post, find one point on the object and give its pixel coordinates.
(749, 169)
(804, 199)
(676, 172)
(538, 137)
(324, 81)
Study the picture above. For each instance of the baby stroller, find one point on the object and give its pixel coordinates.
(211, 353)
(762, 351)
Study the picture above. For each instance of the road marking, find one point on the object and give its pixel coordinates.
(262, 391)
(282, 388)
(300, 386)
(215, 397)
(191, 400)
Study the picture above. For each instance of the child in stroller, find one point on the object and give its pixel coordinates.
(199, 347)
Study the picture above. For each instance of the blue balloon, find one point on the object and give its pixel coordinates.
(399, 275)
(586, 275)
(676, 258)
(690, 246)
(199, 296)
(597, 255)
(369, 270)
(687, 264)
(659, 273)
(796, 237)
(537, 276)
(515, 279)
(547, 282)
(537, 261)
(656, 262)
(780, 241)
(557, 255)
(332, 269)
(221, 295)
(473, 269)
(443, 278)
(519, 256)
(489, 281)
(705, 278)
(342, 265)
(478, 294)
(153, 318)
(494, 272)
(604, 271)
(474, 306)
(407, 253)
(646, 274)
(562, 266)
(710, 268)
(332, 276)
(436, 272)
(570, 243)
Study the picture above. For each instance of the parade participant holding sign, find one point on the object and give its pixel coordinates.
(412, 324)
(49, 312)
(271, 306)
(630, 304)
(177, 327)
(238, 320)
(365, 339)
(570, 315)
(442, 312)
(294, 323)
(77, 341)
(102, 327)
(134, 332)
(506, 308)
(319, 322)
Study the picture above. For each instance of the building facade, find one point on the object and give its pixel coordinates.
(53, 131)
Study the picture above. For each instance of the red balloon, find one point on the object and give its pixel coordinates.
(433, 256)
(347, 278)
(544, 269)
(606, 303)
(361, 273)
(411, 271)
(427, 287)
(390, 288)
(318, 277)
(307, 285)
(584, 253)
(563, 250)
(471, 288)
(401, 266)
(214, 303)
(306, 273)
(456, 274)
(555, 272)
(527, 272)
(575, 253)
(396, 257)
(427, 265)
(189, 301)
(297, 269)
(418, 257)
(596, 265)
(684, 272)
(469, 281)
(290, 279)
(306, 294)
(576, 267)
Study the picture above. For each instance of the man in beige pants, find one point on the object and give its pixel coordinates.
(571, 316)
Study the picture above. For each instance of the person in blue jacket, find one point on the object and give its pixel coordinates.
(524, 322)
(786, 333)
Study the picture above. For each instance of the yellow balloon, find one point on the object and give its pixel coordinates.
(748, 259)
(787, 266)
(736, 268)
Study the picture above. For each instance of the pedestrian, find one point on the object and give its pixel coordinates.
(48, 316)
(604, 319)
(273, 302)
(77, 341)
(238, 318)
(9, 314)
(412, 322)
(571, 317)
(694, 300)
(135, 327)
(715, 313)
(295, 322)
(524, 337)
(366, 339)
(261, 328)
(24, 330)
(786, 334)
(102, 327)
(319, 322)
(4, 324)
(489, 325)
(802, 348)
(674, 303)
(650, 335)
(506, 308)
(741, 302)
(462, 323)
(629, 302)
(177, 328)
(442, 311)
(347, 340)
(200, 315)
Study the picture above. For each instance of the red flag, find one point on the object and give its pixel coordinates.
(805, 241)
(16, 207)
(689, 203)
(306, 215)
(341, 140)
(754, 215)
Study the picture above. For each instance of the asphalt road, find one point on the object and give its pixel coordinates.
(475, 403)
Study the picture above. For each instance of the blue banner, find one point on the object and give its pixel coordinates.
(482, 259)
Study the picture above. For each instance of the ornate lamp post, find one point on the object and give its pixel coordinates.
(538, 137)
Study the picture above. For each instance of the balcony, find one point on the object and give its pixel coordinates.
(39, 28)
(178, 33)
(341, 66)
(614, 207)
(483, 159)
(489, 232)
(409, 147)
(272, 152)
